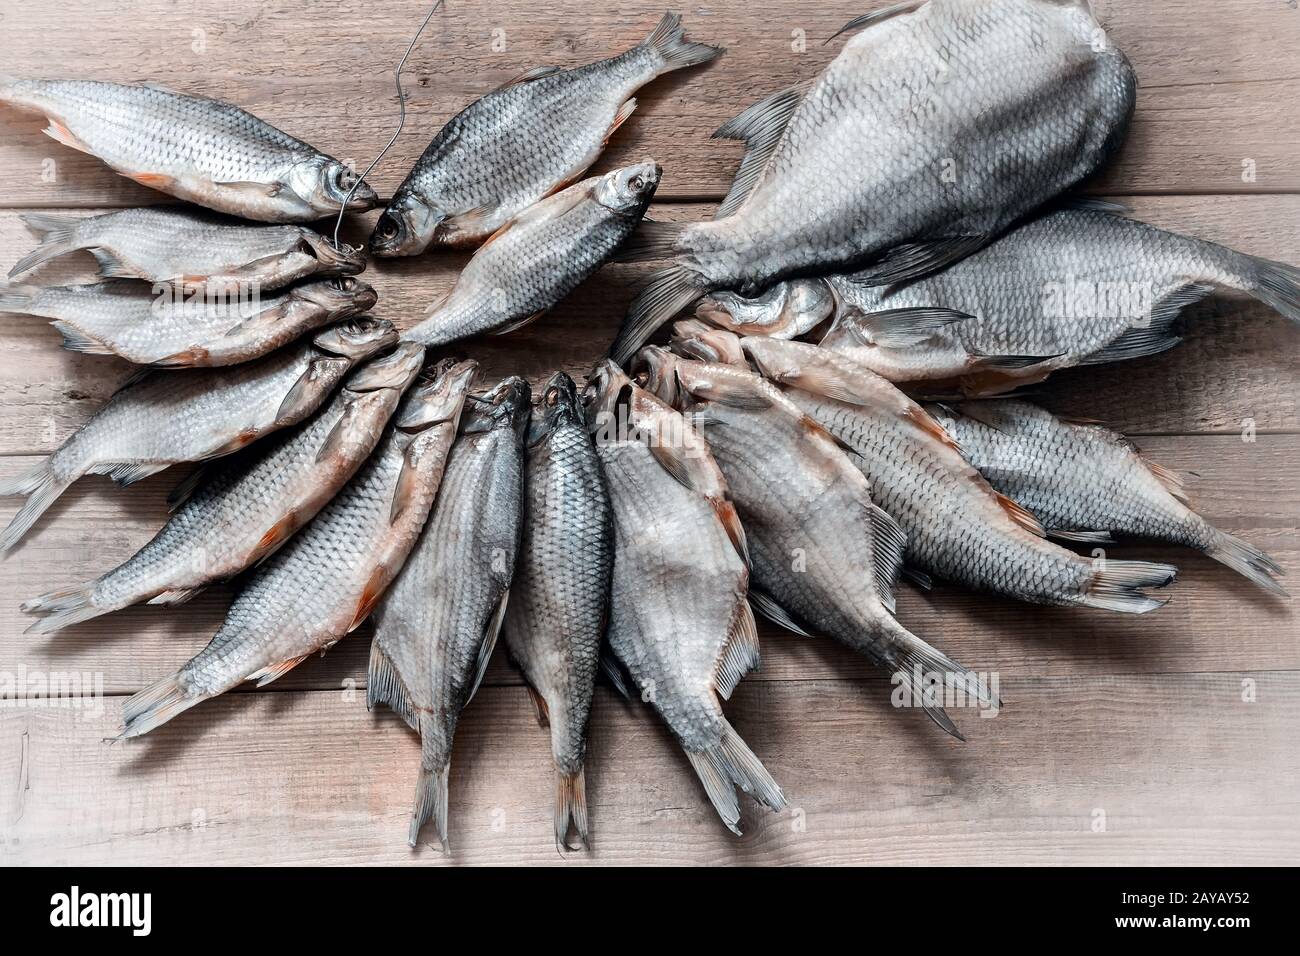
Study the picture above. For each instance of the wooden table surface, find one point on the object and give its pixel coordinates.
(1167, 738)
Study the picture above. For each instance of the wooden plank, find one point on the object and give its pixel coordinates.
(1240, 360)
(1178, 769)
(1215, 620)
(1216, 90)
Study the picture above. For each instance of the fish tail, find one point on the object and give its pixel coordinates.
(57, 235)
(1247, 560)
(669, 41)
(41, 488)
(63, 608)
(431, 803)
(570, 808)
(668, 292)
(155, 705)
(17, 298)
(1277, 285)
(1118, 586)
(927, 668)
(727, 765)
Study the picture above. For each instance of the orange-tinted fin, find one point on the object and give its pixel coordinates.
(243, 439)
(159, 181)
(930, 425)
(1020, 515)
(539, 702)
(621, 117)
(275, 536)
(60, 133)
(370, 595)
(273, 673)
(191, 356)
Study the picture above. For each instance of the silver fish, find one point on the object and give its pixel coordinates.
(786, 310)
(924, 139)
(437, 626)
(520, 143)
(541, 256)
(1077, 286)
(162, 418)
(233, 516)
(559, 599)
(171, 330)
(957, 526)
(824, 556)
(680, 623)
(1085, 482)
(193, 250)
(327, 579)
(192, 147)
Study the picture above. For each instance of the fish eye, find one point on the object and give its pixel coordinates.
(636, 183)
(345, 177)
(387, 227)
(347, 284)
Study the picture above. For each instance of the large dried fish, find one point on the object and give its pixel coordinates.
(957, 526)
(235, 515)
(192, 147)
(924, 139)
(680, 622)
(540, 256)
(559, 600)
(190, 249)
(1084, 482)
(520, 143)
(165, 417)
(141, 325)
(437, 626)
(327, 579)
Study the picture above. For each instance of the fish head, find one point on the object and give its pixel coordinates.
(559, 406)
(322, 184)
(628, 191)
(357, 339)
(778, 360)
(656, 372)
(405, 228)
(396, 370)
(344, 260)
(786, 309)
(338, 298)
(694, 339)
(439, 397)
(600, 395)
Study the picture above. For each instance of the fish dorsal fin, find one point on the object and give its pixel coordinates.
(1093, 204)
(1171, 479)
(739, 654)
(760, 127)
(491, 631)
(1020, 515)
(876, 16)
(536, 73)
(768, 607)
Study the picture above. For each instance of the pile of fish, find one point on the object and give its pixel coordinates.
(906, 209)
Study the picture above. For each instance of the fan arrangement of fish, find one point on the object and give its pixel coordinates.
(857, 311)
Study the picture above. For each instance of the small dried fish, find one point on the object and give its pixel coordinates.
(680, 623)
(518, 144)
(192, 147)
(540, 256)
(171, 330)
(235, 515)
(1085, 482)
(161, 418)
(437, 626)
(190, 249)
(327, 579)
(559, 599)
(786, 310)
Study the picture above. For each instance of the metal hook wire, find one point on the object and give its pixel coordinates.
(401, 122)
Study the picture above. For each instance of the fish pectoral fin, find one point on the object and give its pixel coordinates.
(469, 220)
(407, 484)
(545, 210)
(1083, 537)
(536, 73)
(621, 117)
(519, 323)
(1020, 515)
(912, 260)
(767, 606)
(159, 181)
(60, 133)
(275, 671)
(539, 704)
(900, 328)
(760, 127)
(269, 190)
(332, 446)
(919, 578)
(491, 631)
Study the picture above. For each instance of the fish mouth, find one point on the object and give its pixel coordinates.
(398, 369)
(441, 398)
(345, 260)
(358, 338)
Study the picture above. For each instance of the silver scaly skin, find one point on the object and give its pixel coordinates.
(175, 329)
(437, 626)
(928, 135)
(198, 149)
(559, 600)
(541, 256)
(957, 527)
(824, 557)
(518, 144)
(197, 251)
(162, 418)
(327, 579)
(229, 517)
(1076, 286)
(1086, 482)
(680, 622)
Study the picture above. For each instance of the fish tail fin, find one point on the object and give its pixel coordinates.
(155, 705)
(667, 293)
(17, 298)
(1247, 560)
(1117, 586)
(570, 808)
(1277, 285)
(57, 235)
(926, 668)
(63, 608)
(41, 488)
(727, 765)
(669, 41)
(431, 804)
